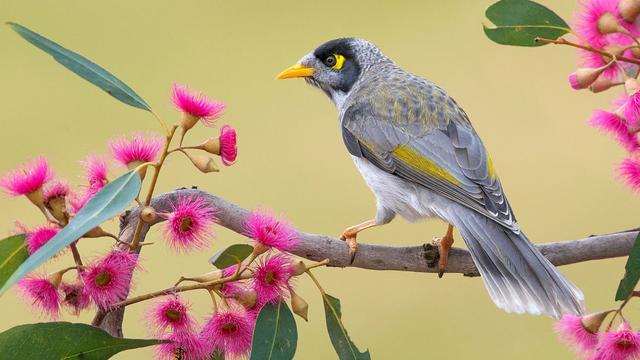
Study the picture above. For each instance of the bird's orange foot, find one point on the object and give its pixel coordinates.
(444, 244)
(349, 236)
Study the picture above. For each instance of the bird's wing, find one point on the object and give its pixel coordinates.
(411, 128)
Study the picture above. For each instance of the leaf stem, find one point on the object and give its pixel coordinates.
(315, 281)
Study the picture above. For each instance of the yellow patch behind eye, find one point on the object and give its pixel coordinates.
(339, 62)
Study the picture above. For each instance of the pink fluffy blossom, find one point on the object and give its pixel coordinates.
(136, 150)
(586, 23)
(28, 178)
(592, 60)
(272, 277)
(185, 345)
(228, 145)
(623, 344)
(629, 172)
(229, 330)
(42, 294)
(574, 334)
(39, 236)
(270, 231)
(96, 171)
(170, 312)
(55, 189)
(107, 281)
(616, 127)
(75, 298)
(196, 104)
(188, 225)
(631, 111)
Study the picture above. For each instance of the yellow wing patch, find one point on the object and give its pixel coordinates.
(492, 170)
(419, 162)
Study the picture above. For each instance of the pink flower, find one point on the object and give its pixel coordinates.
(28, 178)
(228, 145)
(185, 345)
(189, 224)
(123, 258)
(631, 111)
(137, 150)
(170, 312)
(107, 281)
(55, 189)
(96, 171)
(629, 172)
(77, 200)
(270, 231)
(586, 23)
(616, 127)
(39, 236)
(196, 104)
(623, 344)
(271, 278)
(42, 294)
(230, 330)
(75, 297)
(574, 334)
(590, 59)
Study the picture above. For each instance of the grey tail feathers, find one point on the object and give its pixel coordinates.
(518, 277)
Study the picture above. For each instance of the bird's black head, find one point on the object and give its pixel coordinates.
(336, 66)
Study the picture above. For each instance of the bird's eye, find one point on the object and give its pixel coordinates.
(330, 61)
(334, 61)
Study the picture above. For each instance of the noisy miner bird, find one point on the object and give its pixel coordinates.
(418, 152)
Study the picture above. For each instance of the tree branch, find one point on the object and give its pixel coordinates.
(422, 258)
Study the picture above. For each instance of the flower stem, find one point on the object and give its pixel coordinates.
(177, 289)
(619, 310)
(563, 41)
(154, 180)
(76, 256)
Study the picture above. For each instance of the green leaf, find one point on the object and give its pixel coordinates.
(64, 340)
(107, 203)
(13, 252)
(519, 22)
(275, 336)
(631, 272)
(343, 345)
(230, 256)
(84, 68)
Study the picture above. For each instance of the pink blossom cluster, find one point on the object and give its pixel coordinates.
(103, 283)
(229, 329)
(611, 26)
(578, 332)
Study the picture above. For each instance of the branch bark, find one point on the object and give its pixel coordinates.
(422, 258)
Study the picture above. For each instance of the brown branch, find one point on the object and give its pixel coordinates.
(422, 258)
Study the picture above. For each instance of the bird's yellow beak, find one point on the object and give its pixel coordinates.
(295, 71)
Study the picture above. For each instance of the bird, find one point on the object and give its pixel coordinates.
(418, 152)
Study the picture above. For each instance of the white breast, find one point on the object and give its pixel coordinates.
(411, 201)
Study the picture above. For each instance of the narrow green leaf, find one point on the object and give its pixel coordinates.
(64, 340)
(107, 203)
(13, 252)
(230, 256)
(343, 345)
(275, 336)
(519, 22)
(631, 272)
(84, 68)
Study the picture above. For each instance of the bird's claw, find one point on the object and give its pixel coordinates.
(444, 244)
(352, 244)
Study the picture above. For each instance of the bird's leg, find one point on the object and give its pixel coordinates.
(349, 235)
(444, 244)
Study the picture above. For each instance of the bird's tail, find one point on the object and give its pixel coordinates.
(518, 277)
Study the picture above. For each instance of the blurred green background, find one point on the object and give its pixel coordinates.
(556, 170)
